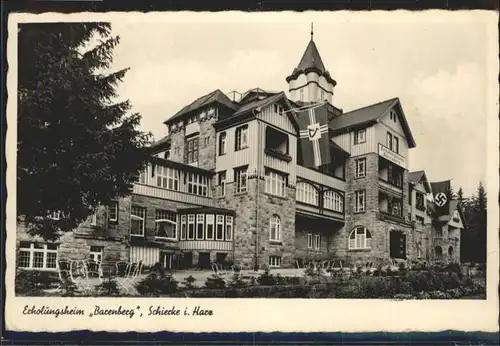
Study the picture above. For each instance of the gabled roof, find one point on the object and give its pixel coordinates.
(417, 177)
(215, 96)
(311, 61)
(371, 115)
(163, 142)
(256, 105)
(454, 205)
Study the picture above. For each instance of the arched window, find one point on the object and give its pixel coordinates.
(438, 251)
(275, 228)
(360, 238)
(306, 193)
(333, 200)
(450, 251)
(419, 250)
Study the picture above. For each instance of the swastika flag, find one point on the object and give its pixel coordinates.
(314, 140)
(442, 195)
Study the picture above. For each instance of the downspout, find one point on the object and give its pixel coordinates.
(258, 169)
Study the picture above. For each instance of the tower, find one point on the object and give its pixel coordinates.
(310, 81)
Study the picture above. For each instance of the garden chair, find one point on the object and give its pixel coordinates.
(128, 282)
(94, 270)
(216, 270)
(64, 271)
(336, 268)
(122, 268)
(236, 269)
(301, 271)
(79, 275)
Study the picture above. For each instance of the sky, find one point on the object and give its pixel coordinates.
(436, 67)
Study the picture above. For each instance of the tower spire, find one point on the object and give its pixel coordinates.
(312, 30)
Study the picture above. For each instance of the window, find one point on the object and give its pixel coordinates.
(309, 240)
(220, 227)
(168, 178)
(37, 256)
(229, 228)
(143, 176)
(419, 250)
(360, 167)
(420, 201)
(200, 226)
(276, 141)
(197, 184)
(322, 96)
(301, 94)
(360, 136)
(393, 116)
(360, 238)
(202, 114)
(275, 183)
(275, 228)
(96, 253)
(240, 178)
(192, 150)
(93, 218)
(166, 224)
(394, 206)
(306, 193)
(420, 220)
(222, 183)
(210, 227)
(183, 227)
(389, 140)
(332, 200)
(317, 241)
(241, 137)
(275, 261)
(396, 144)
(439, 232)
(211, 111)
(190, 234)
(278, 109)
(137, 221)
(113, 211)
(395, 175)
(360, 201)
(222, 144)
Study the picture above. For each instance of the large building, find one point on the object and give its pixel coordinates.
(228, 183)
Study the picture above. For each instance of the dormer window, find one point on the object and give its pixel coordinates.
(276, 141)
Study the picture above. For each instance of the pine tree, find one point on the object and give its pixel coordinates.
(480, 223)
(77, 146)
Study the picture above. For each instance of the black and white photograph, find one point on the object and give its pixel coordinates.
(307, 156)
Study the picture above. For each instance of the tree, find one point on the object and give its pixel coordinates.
(460, 194)
(77, 147)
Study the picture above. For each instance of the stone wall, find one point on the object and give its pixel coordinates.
(75, 245)
(207, 144)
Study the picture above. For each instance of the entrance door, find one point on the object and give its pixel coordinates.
(220, 257)
(166, 260)
(204, 260)
(397, 245)
(187, 260)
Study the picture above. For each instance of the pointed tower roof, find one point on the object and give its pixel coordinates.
(311, 58)
(311, 62)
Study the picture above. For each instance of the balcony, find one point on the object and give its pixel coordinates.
(320, 178)
(206, 245)
(391, 217)
(390, 187)
(178, 196)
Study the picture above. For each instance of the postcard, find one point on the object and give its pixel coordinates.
(231, 171)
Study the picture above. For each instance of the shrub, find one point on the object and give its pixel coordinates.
(215, 281)
(154, 285)
(189, 282)
(267, 279)
(237, 282)
(450, 281)
(32, 282)
(108, 288)
(454, 268)
(69, 289)
(421, 281)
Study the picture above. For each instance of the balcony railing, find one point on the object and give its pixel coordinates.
(390, 186)
(178, 196)
(392, 217)
(320, 178)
